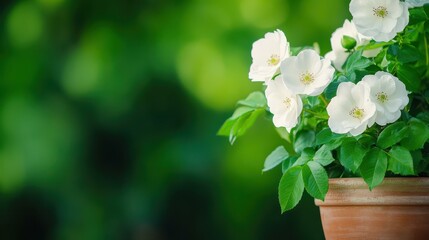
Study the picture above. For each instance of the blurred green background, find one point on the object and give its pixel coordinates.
(109, 112)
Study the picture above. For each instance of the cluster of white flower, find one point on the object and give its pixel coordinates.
(376, 98)
(303, 75)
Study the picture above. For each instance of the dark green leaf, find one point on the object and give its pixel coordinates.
(410, 77)
(408, 53)
(351, 154)
(254, 100)
(323, 156)
(331, 90)
(304, 139)
(315, 180)
(373, 167)
(291, 188)
(275, 158)
(288, 163)
(418, 134)
(417, 15)
(400, 161)
(306, 156)
(392, 134)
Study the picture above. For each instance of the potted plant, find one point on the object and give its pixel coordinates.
(355, 123)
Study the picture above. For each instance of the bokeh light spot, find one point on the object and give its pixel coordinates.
(264, 13)
(25, 24)
(217, 80)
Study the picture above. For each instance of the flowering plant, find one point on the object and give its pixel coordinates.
(360, 111)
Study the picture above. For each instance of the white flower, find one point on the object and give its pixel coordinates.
(352, 109)
(416, 3)
(284, 105)
(307, 73)
(379, 19)
(388, 94)
(339, 54)
(267, 54)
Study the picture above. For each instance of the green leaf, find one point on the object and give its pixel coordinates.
(418, 134)
(254, 100)
(306, 156)
(352, 154)
(315, 180)
(326, 135)
(373, 167)
(288, 163)
(417, 15)
(291, 188)
(225, 129)
(331, 90)
(408, 53)
(392, 134)
(243, 124)
(400, 161)
(275, 158)
(348, 42)
(409, 77)
(323, 156)
(356, 62)
(304, 139)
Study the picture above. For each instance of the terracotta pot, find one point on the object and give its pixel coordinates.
(396, 209)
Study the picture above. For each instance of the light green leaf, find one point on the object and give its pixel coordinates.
(254, 100)
(323, 156)
(275, 158)
(243, 123)
(291, 188)
(315, 180)
(351, 154)
(304, 139)
(400, 161)
(418, 134)
(392, 134)
(373, 167)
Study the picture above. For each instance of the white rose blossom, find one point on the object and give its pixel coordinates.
(307, 73)
(388, 94)
(267, 54)
(284, 105)
(352, 110)
(379, 19)
(416, 3)
(339, 54)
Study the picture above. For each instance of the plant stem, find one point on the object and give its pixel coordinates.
(323, 100)
(318, 115)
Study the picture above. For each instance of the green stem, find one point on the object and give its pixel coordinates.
(318, 115)
(323, 100)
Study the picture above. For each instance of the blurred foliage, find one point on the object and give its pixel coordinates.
(109, 111)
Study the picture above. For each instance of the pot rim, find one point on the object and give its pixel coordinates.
(392, 191)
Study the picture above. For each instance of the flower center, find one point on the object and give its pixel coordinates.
(358, 113)
(382, 97)
(307, 78)
(287, 102)
(380, 11)
(273, 60)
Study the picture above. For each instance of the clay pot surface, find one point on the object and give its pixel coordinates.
(396, 209)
